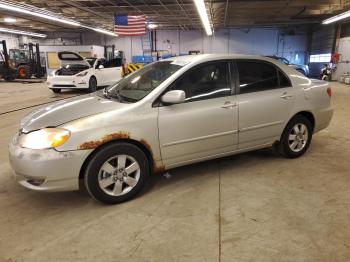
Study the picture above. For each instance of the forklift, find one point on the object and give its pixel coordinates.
(27, 62)
(7, 69)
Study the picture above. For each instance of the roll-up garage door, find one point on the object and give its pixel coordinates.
(322, 43)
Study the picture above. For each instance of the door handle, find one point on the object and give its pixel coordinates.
(229, 105)
(286, 96)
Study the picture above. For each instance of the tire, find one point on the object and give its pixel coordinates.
(56, 90)
(92, 85)
(292, 143)
(24, 72)
(116, 185)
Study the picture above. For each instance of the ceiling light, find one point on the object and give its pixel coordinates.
(203, 15)
(336, 18)
(152, 26)
(48, 16)
(10, 20)
(41, 15)
(100, 30)
(18, 32)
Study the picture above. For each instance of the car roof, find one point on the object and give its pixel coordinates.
(208, 57)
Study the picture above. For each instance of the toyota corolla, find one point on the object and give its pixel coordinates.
(168, 114)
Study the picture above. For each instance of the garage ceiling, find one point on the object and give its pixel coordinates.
(171, 14)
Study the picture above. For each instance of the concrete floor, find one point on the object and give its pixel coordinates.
(251, 207)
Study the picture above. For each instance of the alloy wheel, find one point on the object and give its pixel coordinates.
(298, 137)
(119, 174)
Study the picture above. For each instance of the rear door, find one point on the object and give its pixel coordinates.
(206, 124)
(265, 100)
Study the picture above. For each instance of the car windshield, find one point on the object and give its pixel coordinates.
(139, 84)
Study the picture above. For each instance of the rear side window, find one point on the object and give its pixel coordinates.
(205, 82)
(284, 80)
(116, 62)
(256, 76)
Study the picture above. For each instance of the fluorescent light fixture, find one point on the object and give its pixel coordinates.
(47, 16)
(41, 15)
(203, 15)
(18, 32)
(152, 26)
(100, 30)
(10, 20)
(336, 18)
(103, 31)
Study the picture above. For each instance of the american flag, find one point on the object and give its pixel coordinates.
(129, 25)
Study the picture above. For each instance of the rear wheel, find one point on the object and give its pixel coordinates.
(92, 84)
(296, 137)
(116, 173)
(24, 72)
(56, 90)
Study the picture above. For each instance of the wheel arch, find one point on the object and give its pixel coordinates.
(140, 144)
(306, 114)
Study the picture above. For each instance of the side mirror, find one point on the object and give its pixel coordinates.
(101, 67)
(174, 97)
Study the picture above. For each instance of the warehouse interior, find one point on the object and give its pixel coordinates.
(254, 206)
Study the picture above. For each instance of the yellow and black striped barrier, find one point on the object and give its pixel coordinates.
(134, 67)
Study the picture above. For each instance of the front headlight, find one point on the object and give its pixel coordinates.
(44, 138)
(83, 73)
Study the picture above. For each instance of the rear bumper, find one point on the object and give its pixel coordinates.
(47, 170)
(67, 82)
(323, 118)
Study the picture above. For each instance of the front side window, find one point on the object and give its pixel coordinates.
(205, 82)
(256, 76)
(136, 86)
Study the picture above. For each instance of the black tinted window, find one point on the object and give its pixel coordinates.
(116, 62)
(256, 76)
(284, 80)
(205, 82)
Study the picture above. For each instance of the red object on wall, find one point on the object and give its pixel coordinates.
(335, 57)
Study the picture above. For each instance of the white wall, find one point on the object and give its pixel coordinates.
(245, 41)
(11, 40)
(344, 51)
(250, 41)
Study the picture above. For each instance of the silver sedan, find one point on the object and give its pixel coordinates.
(168, 114)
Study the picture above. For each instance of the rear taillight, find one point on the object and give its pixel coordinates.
(329, 91)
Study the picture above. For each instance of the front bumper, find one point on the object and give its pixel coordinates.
(67, 82)
(48, 169)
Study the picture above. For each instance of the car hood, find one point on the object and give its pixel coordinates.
(67, 110)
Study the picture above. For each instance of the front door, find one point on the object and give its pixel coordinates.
(207, 123)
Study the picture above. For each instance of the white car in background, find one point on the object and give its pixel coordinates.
(77, 72)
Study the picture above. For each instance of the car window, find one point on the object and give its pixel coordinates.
(205, 82)
(137, 85)
(116, 62)
(255, 76)
(283, 79)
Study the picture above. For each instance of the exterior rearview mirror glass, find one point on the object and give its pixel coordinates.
(174, 97)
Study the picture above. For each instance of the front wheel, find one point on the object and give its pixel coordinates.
(116, 173)
(92, 85)
(56, 90)
(296, 137)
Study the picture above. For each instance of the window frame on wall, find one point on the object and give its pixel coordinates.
(278, 72)
(320, 58)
